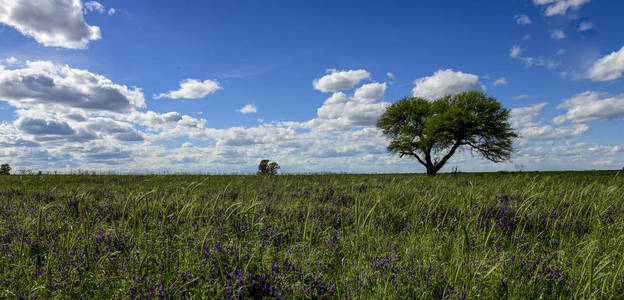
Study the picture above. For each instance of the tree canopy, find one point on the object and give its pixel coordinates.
(5, 169)
(266, 168)
(432, 131)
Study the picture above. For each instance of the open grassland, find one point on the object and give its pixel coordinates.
(464, 236)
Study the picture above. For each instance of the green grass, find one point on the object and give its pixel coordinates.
(482, 235)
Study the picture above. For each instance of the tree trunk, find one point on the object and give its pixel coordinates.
(431, 170)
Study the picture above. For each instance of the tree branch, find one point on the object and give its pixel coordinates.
(414, 155)
(439, 165)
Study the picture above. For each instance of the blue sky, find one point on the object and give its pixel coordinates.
(215, 86)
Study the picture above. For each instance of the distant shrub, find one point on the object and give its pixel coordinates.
(5, 169)
(455, 170)
(266, 168)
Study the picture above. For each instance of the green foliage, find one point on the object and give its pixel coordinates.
(526, 235)
(432, 131)
(266, 168)
(5, 169)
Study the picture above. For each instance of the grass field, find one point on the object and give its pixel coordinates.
(453, 236)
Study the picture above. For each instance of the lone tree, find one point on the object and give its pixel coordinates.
(431, 131)
(5, 169)
(266, 168)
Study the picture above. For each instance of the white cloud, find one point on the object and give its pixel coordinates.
(559, 119)
(56, 23)
(339, 80)
(370, 92)
(192, 89)
(515, 51)
(520, 97)
(522, 19)
(446, 82)
(501, 80)
(609, 67)
(547, 132)
(568, 155)
(586, 25)
(532, 61)
(55, 128)
(560, 7)
(522, 118)
(341, 112)
(9, 61)
(557, 34)
(42, 83)
(94, 6)
(590, 106)
(526, 37)
(247, 109)
(98, 7)
(43, 127)
(390, 75)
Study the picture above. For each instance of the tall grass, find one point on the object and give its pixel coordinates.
(461, 236)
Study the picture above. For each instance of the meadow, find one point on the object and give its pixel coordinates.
(547, 235)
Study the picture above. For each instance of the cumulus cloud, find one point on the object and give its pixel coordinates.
(248, 109)
(54, 127)
(111, 11)
(44, 127)
(609, 67)
(342, 112)
(46, 84)
(522, 19)
(500, 81)
(557, 34)
(11, 142)
(59, 105)
(370, 92)
(339, 80)
(522, 119)
(523, 116)
(560, 7)
(591, 106)
(49, 127)
(192, 89)
(446, 82)
(56, 23)
(120, 131)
